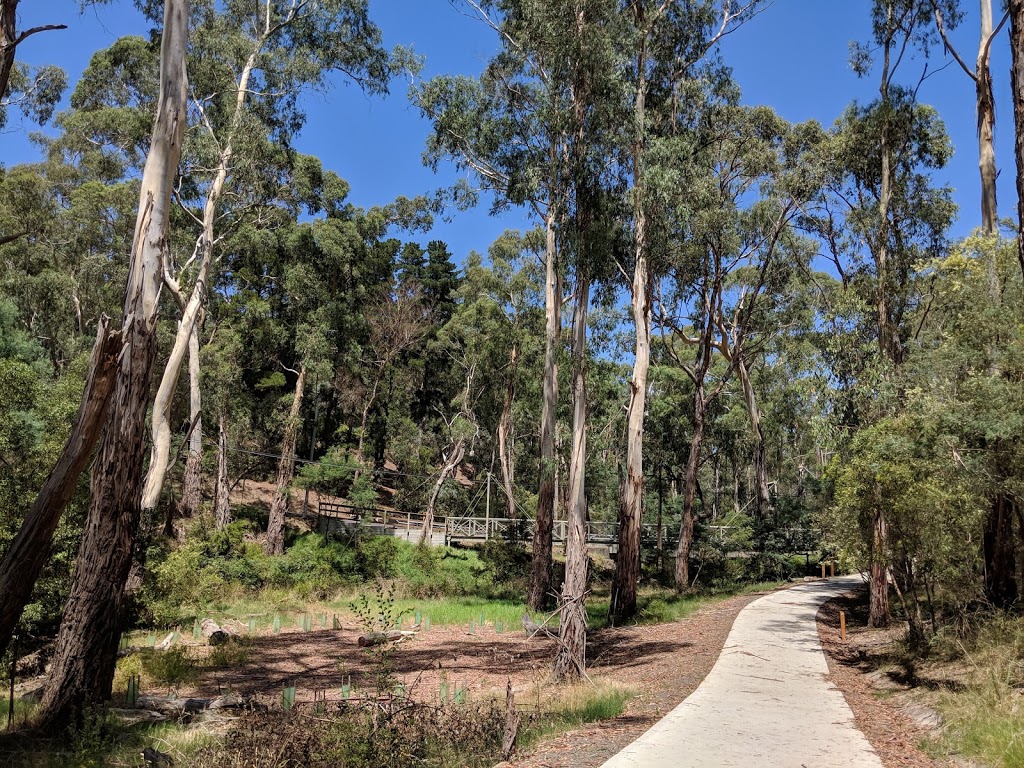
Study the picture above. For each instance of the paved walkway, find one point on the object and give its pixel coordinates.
(766, 702)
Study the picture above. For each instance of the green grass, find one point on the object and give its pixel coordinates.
(660, 605)
(22, 710)
(561, 708)
(985, 720)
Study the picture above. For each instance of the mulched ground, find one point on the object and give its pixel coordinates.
(884, 719)
(662, 663)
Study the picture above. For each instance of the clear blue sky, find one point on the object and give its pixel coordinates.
(792, 57)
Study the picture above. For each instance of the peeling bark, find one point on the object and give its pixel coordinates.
(627, 561)
(86, 649)
(570, 662)
(540, 563)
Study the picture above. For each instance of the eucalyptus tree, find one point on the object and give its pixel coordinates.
(1016, 10)
(86, 648)
(728, 264)
(591, 74)
(250, 63)
(35, 93)
(984, 98)
(886, 147)
(508, 128)
(671, 73)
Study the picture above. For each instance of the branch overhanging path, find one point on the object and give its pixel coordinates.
(767, 701)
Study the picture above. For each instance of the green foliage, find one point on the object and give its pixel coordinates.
(172, 667)
(92, 737)
(213, 568)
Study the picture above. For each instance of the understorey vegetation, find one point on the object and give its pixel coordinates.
(717, 350)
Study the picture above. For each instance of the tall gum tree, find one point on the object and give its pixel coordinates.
(591, 73)
(984, 101)
(292, 46)
(86, 648)
(508, 129)
(668, 45)
(896, 25)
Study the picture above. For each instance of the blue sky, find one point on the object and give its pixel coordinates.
(792, 57)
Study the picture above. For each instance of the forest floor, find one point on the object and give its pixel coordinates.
(659, 664)
(901, 721)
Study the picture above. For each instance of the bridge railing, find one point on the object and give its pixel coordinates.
(485, 528)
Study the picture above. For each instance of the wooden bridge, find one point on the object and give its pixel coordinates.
(334, 519)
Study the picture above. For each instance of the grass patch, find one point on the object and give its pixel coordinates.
(562, 708)
(984, 719)
(103, 740)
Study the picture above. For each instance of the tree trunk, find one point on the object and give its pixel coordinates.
(274, 544)
(221, 501)
(986, 113)
(1017, 89)
(763, 501)
(570, 662)
(540, 563)
(451, 461)
(1000, 552)
(8, 35)
(627, 561)
(682, 572)
(191, 310)
(505, 456)
(86, 649)
(27, 554)
(878, 585)
(192, 482)
(364, 421)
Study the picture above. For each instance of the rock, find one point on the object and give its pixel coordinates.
(882, 681)
(923, 716)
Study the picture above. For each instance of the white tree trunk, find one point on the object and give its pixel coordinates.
(192, 308)
(505, 454)
(451, 461)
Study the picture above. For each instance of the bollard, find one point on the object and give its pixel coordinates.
(823, 569)
(832, 568)
(842, 625)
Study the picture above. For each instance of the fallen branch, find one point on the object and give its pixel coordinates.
(379, 638)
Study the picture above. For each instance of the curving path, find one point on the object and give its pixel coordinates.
(766, 703)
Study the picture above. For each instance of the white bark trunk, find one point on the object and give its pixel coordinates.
(192, 309)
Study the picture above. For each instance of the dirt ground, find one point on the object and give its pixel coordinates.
(661, 663)
(887, 713)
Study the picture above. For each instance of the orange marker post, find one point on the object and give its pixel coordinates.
(823, 570)
(842, 625)
(831, 567)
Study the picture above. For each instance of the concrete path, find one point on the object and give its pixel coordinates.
(766, 702)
